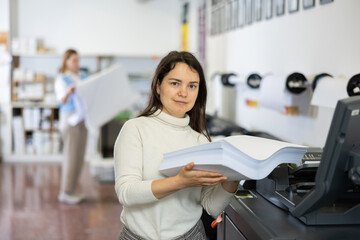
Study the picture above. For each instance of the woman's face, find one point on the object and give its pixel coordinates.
(179, 90)
(72, 63)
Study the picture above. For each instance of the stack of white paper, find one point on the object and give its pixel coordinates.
(237, 157)
(32, 118)
(19, 136)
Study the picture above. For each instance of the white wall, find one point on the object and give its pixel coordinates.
(193, 27)
(325, 38)
(130, 30)
(124, 27)
(4, 15)
(4, 83)
(192, 24)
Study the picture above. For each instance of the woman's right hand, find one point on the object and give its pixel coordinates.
(71, 89)
(187, 177)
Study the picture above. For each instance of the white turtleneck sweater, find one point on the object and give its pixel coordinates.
(138, 153)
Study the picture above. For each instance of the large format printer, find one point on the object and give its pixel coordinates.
(318, 199)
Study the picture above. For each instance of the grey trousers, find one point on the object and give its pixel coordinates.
(195, 233)
(74, 140)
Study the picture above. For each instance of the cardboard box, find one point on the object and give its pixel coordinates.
(4, 40)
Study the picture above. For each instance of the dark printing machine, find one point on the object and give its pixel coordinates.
(320, 199)
(326, 192)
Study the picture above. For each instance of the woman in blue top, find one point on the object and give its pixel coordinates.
(71, 125)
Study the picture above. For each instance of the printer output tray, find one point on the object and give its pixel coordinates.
(287, 186)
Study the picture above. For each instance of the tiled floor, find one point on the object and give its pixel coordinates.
(29, 208)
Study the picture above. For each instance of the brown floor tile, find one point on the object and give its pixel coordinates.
(29, 208)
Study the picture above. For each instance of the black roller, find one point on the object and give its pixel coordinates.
(225, 79)
(296, 83)
(254, 80)
(317, 79)
(353, 87)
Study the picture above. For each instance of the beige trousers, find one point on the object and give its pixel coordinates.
(74, 140)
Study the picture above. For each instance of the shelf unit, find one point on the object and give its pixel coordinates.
(34, 123)
(18, 85)
(35, 130)
(18, 108)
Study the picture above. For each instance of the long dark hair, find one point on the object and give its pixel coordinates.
(197, 113)
(66, 56)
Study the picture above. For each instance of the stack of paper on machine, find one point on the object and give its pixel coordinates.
(237, 157)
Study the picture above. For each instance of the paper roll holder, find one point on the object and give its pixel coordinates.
(297, 83)
(253, 80)
(224, 78)
(353, 87)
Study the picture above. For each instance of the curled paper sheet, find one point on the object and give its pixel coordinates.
(274, 95)
(328, 91)
(106, 94)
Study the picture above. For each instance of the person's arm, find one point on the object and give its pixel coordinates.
(230, 186)
(63, 92)
(130, 187)
(215, 199)
(70, 90)
(186, 178)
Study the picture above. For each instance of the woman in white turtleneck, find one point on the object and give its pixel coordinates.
(155, 206)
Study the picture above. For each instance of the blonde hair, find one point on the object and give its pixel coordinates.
(66, 56)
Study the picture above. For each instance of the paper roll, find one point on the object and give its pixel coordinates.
(224, 91)
(274, 95)
(251, 91)
(251, 96)
(328, 91)
(217, 91)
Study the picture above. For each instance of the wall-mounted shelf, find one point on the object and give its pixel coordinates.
(102, 55)
(33, 90)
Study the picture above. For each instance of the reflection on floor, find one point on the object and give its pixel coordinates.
(29, 208)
